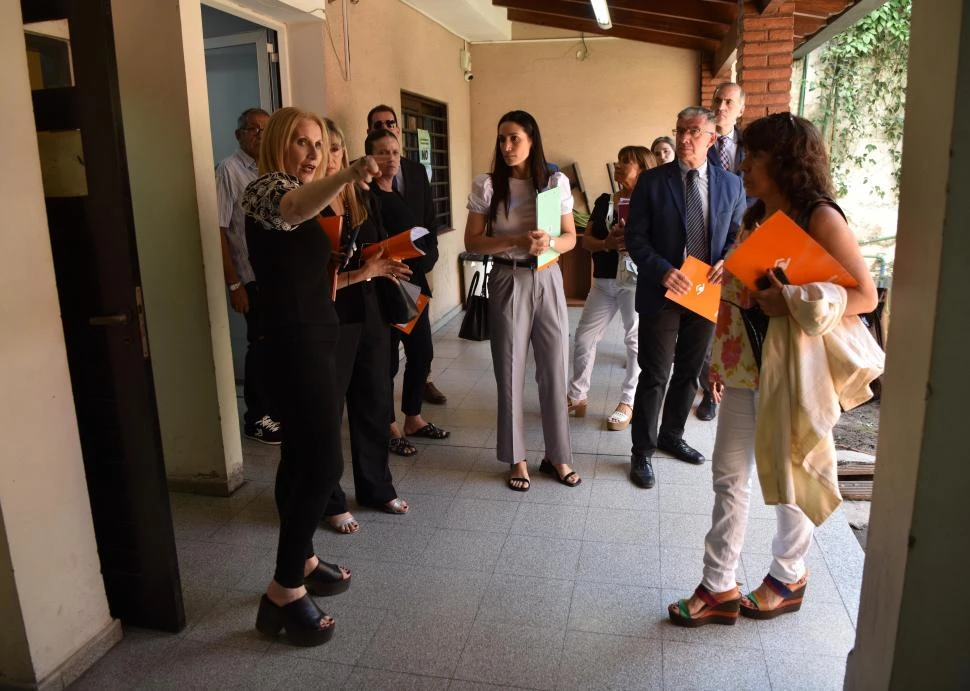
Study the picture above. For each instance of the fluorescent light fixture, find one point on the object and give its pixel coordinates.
(602, 12)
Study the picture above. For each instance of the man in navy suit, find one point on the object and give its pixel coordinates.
(684, 207)
(727, 153)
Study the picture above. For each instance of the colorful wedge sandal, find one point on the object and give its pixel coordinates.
(719, 608)
(791, 599)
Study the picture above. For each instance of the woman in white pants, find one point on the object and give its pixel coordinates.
(607, 296)
(787, 168)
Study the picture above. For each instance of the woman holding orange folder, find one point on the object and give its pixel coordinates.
(787, 168)
(291, 258)
(526, 305)
(362, 377)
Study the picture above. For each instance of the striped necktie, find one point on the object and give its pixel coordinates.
(697, 245)
(723, 154)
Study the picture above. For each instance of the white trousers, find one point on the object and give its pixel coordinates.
(605, 299)
(734, 466)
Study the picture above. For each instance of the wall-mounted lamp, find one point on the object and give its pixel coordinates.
(602, 12)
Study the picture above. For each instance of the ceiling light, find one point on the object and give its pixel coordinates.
(602, 12)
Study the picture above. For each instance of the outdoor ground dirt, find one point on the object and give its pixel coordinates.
(858, 429)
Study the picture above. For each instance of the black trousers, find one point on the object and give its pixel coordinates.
(363, 381)
(256, 389)
(673, 335)
(310, 462)
(419, 352)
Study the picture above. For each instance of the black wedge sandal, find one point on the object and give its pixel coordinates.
(300, 619)
(326, 580)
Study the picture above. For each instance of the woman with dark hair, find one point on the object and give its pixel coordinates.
(418, 346)
(290, 255)
(663, 149)
(362, 377)
(527, 305)
(787, 168)
(604, 240)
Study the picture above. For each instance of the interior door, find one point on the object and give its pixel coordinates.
(239, 71)
(78, 117)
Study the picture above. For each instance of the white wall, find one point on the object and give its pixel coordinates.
(161, 74)
(52, 600)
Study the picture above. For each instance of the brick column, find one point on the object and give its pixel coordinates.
(709, 82)
(765, 58)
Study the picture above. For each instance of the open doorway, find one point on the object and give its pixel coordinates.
(242, 72)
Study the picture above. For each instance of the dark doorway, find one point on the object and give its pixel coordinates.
(78, 116)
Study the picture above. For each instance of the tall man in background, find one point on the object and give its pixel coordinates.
(413, 184)
(232, 176)
(727, 153)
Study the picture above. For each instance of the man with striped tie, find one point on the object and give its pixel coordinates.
(727, 152)
(686, 207)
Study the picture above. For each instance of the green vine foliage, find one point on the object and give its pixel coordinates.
(861, 77)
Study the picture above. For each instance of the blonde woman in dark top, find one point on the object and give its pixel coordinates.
(290, 255)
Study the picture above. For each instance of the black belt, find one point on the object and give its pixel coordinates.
(531, 263)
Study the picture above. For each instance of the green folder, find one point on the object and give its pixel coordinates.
(549, 219)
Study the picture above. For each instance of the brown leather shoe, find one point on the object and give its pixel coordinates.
(432, 395)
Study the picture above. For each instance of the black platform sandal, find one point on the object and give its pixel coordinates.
(300, 619)
(326, 580)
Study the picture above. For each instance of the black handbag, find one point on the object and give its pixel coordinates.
(756, 326)
(474, 325)
(397, 306)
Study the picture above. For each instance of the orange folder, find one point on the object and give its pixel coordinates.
(420, 299)
(400, 246)
(704, 297)
(331, 227)
(779, 241)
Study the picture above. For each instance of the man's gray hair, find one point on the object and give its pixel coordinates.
(241, 122)
(724, 84)
(696, 111)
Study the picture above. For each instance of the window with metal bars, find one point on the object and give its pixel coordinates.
(420, 113)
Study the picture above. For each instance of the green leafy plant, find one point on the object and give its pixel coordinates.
(861, 77)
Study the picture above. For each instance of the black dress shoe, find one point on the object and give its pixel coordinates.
(431, 394)
(641, 472)
(681, 450)
(707, 408)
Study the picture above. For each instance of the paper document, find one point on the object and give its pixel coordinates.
(420, 299)
(779, 241)
(400, 246)
(704, 297)
(549, 219)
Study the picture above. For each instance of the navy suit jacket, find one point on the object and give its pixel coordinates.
(656, 235)
(712, 156)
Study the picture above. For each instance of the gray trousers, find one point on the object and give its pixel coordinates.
(529, 307)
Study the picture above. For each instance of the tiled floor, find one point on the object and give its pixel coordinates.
(479, 586)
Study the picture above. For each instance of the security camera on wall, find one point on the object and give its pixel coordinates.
(466, 64)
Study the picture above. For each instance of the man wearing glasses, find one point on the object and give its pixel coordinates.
(686, 207)
(412, 183)
(232, 176)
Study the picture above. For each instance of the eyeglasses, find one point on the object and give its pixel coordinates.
(694, 132)
(385, 124)
(255, 131)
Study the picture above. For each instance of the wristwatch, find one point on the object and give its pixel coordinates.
(233, 287)
(552, 243)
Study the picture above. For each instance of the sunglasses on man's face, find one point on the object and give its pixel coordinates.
(383, 124)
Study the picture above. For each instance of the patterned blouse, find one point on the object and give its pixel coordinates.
(732, 360)
(262, 199)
